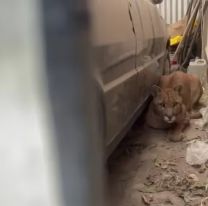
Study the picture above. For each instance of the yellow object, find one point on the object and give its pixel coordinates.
(175, 40)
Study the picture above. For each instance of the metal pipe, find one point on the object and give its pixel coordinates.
(188, 27)
(185, 59)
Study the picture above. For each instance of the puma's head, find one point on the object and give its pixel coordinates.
(167, 102)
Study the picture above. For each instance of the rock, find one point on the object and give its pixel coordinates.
(193, 178)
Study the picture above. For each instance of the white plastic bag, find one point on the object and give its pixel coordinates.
(197, 153)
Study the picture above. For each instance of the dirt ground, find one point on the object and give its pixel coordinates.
(148, 169)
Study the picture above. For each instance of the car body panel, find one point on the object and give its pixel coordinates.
(129, 39)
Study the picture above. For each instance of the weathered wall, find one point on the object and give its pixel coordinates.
(173, 10)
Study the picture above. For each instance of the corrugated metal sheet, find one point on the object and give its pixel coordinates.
(173, 10)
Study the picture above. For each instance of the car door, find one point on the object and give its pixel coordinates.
(115, 49)
(151, 32)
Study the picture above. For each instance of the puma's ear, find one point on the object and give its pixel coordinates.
(155, 90)
(178, 88)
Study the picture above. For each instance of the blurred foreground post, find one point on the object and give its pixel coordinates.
(50, 144)
(73, 100)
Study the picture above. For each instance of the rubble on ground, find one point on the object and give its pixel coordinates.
(153, 171)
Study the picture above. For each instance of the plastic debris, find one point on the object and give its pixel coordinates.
(176, 40)
(202, 123)
(197, 153)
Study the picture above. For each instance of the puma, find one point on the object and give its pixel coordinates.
(173, 102)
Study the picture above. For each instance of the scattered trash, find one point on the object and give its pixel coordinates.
(202, 169)
(198, 67)
(202, 123)
(169, 174)
(197, 153)
(193, 177)
(164, 164)
(162, 199)
(145, 188)
(204, 201)
(147, 199)
(170, 180)
(158, 188)
(175, 40)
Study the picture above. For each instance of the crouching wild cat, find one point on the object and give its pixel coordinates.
(173, 102)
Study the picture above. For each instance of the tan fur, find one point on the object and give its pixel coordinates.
(173, 102)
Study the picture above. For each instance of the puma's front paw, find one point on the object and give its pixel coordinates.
(176, 137)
